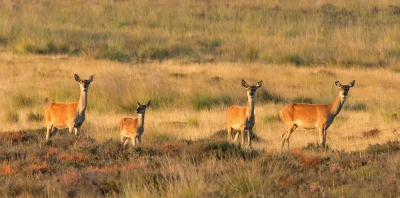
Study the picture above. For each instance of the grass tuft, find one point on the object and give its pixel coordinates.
(114, 54)
(11, 116)
(356, 107)
(21, 101)
(388, 147)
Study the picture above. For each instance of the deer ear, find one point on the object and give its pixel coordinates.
(148, 103)
(244, 84)
(259, 83)
(137, 102)
(352, 83)
(77, 78)
(337, 83)
(91, 78)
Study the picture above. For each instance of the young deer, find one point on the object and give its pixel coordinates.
(311, 116)
(133, 128)
(67, 115)
(242, 118)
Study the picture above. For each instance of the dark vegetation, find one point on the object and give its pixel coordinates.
(70, 166)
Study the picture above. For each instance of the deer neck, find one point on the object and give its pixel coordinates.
(250, 108)
(141, 121)
(336, 106)
(82, 104)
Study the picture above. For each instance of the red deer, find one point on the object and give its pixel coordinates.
(242, 118)
(311, 116)
(67, 115)
(133, 128)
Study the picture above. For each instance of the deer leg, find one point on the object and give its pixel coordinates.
(122, 138)
(242, 133)
(249, 136)
(134, 139)
(236, 136)
(70, 129)
(322, 136)
(286, 135)
(126, 141)
(77, 129)
(48, 131)
(53, 130)
(229, 133)
(139, 138)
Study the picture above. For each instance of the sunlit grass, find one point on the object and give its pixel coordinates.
(184, 150)
(302, 33)
(190, 101)
(189, 57)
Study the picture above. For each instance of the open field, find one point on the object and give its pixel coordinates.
(361, 33)
(189, 57)
(184, 151)
(195, 97)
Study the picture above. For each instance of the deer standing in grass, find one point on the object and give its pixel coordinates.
(242, 119)
(67, 115)
(311, 116)
(133, 128)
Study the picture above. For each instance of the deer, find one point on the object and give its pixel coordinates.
(240, 118)
(314, 116)
(58, 115)
(133, 128)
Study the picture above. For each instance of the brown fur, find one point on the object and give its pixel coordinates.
(310, 116)
(133, 128)
(59, 115)
(242, 118)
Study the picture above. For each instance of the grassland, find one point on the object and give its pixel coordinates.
(306, 32)
(189, 57)
(184, 151)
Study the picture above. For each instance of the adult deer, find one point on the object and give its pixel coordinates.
(311, 116)
(67, 115)
(133, 128)
(242, 119)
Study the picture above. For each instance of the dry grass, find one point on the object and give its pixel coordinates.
(188, 57)
(176, 89)
(305, 32)
(184, 140)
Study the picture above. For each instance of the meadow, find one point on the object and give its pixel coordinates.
(363, 33)
(189, 57)
(184, 151)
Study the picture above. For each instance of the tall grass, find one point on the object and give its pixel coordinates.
(308, 32)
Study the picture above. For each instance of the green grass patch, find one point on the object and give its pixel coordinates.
(270, 119)
(390, 116)
(21, 101)
(356, 107)
(11, 116)
(194, 122)
(115, 54)
(63, 92)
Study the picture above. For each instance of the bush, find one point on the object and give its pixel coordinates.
(389, 147)
(297, 60)
(356, 107)
(202, 102)
(21, 101)
(11, 116)
(115, 54)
